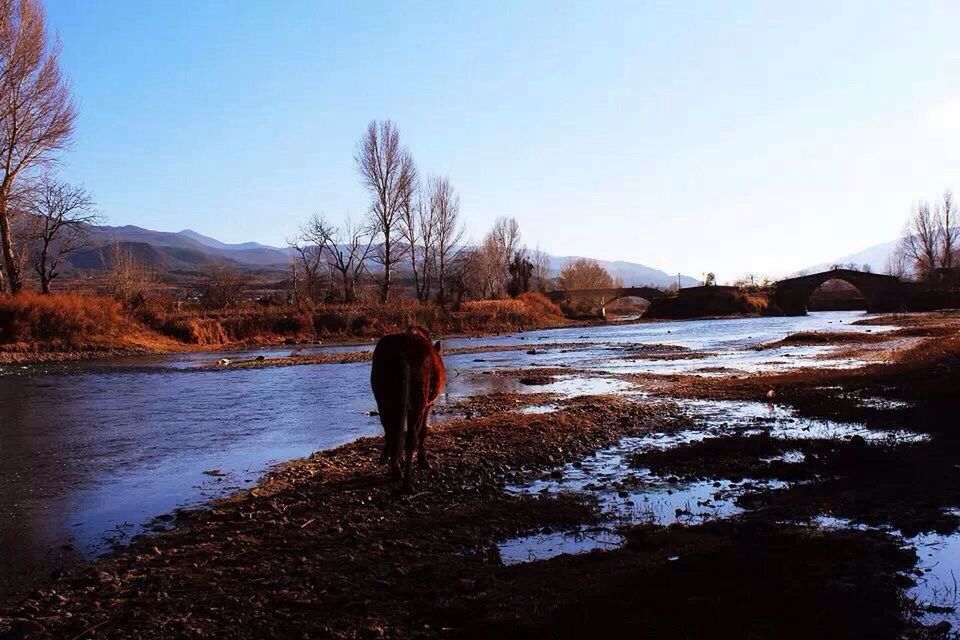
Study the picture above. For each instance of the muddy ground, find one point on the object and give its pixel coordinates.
(327, 547)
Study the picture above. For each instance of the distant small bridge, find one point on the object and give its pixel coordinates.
(881, 292)
(607, 296)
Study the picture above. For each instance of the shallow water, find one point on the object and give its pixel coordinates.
(627, 495)
(936, 574)
(91, 452)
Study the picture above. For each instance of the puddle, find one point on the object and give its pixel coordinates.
(882, 403)
(783, 422)
(790, 457)
(629, 496)
(936, 574)
(538, 409)
(548, 545)
(626, 496)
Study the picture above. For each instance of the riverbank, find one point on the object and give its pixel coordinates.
(65, 328)
(325, 546)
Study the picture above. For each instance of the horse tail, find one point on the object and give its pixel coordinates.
(402, 435)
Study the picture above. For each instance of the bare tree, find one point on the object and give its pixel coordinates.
(222, 289)
(308, 269)
(506, 235)
(341, 250)
(921, 241)
(487, 271)
(388, 172)
(419, 232)
(541, 269)
(347, 248)
(129, 278)
(947, 229)
(36, 111)
(492, 261)
(449, 232)
(60, 219)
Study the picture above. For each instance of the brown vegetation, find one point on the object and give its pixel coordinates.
(33, 322)
(67, 322)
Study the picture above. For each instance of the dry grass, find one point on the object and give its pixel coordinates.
(67, 322)
(70, 322)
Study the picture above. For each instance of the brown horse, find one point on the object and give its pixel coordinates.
(407, 378)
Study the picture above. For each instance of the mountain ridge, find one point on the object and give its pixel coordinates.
(189, 249)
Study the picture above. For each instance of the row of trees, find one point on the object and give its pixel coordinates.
(41, 220)
(413, 226)
(410, 218)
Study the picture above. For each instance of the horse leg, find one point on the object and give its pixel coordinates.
(411, 446)
(394, 443)
(422, 461)
(387, 441)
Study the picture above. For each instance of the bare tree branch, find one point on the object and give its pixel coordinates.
(36, 111)
(61, 217)
(387, 171)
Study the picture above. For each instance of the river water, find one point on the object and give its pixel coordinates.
(91, 453)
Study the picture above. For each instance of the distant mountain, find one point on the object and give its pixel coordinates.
(631, 273)
(252, 254)
(161, 258)
(188, 250)
(216, 244)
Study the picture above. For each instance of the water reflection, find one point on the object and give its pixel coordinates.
(90, 458)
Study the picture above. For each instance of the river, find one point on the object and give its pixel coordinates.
(91, 454)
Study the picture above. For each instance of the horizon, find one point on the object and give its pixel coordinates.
(809, 144)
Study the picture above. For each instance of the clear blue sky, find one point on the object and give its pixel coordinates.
(761, 136)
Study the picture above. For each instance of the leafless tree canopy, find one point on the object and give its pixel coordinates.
(328, 253)
(222, 289)
(308, 269)
(490, 262)
(930, 239)
(541, 269)
(449, 231)
(129, 278)
(949, 230)
(419, 234)
(433, 234)
(387, 171)
(36, 111)
(59, 217)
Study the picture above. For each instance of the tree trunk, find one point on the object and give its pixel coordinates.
(9, 258)
(385, 288)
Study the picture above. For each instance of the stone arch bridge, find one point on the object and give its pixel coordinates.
(881, 292)
(606, 296)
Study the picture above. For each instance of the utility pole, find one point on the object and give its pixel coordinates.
(678, 282)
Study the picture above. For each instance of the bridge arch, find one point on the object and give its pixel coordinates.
(603, 297)
(881, 292)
